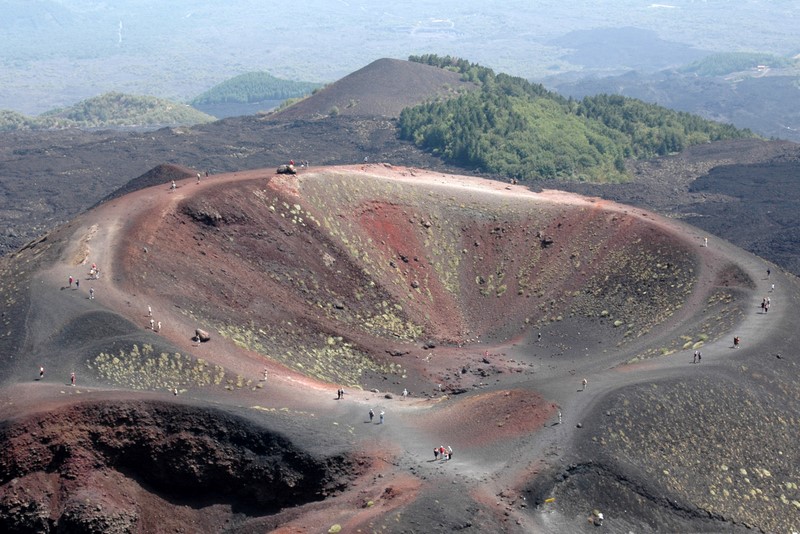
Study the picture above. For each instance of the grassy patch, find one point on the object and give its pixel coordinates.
(143, 369)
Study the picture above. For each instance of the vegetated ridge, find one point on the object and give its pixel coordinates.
(110, 109)
(522, 130)
(751, 90)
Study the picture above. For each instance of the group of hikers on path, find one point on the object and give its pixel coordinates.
(445, 453)
(155, 326)
(94, 274)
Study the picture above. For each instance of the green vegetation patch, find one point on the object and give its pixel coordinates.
(143, 369)
(110, 109)
(324, 357)
(730, 62)
(253, 87)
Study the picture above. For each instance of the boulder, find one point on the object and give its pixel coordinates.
(201, 335)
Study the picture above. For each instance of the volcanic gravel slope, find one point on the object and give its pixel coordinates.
(488, 303)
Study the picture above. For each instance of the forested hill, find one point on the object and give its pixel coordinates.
(108, 110)
(253, 87)
(521, 130)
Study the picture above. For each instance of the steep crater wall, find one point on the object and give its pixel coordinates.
(326, 271)
(172, 450)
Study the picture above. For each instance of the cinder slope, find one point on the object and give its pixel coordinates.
(381, 89)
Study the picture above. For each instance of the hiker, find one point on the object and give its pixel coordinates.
(70, 281)
(736, 342)
(381, 417)
(72, 379)
(149, 311)
(405, 393)
(159, 327)
(768, 273)
(173, 187)
(699, 356)
(77, 283)
(152, 324)
(198, 177)
(705, 241)
(584, 382)
(559, 418)
(91, 293)
(449, 452)
(371, 414)
(41, 373)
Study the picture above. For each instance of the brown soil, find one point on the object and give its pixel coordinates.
(376, 278)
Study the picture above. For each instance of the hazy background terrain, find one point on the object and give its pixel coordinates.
(54, 53)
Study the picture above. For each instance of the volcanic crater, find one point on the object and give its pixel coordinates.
(464, 311)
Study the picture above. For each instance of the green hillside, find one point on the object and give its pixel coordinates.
(254, 87)
(728, 63)
(521, 130)
(11, 120)
(108, 110)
